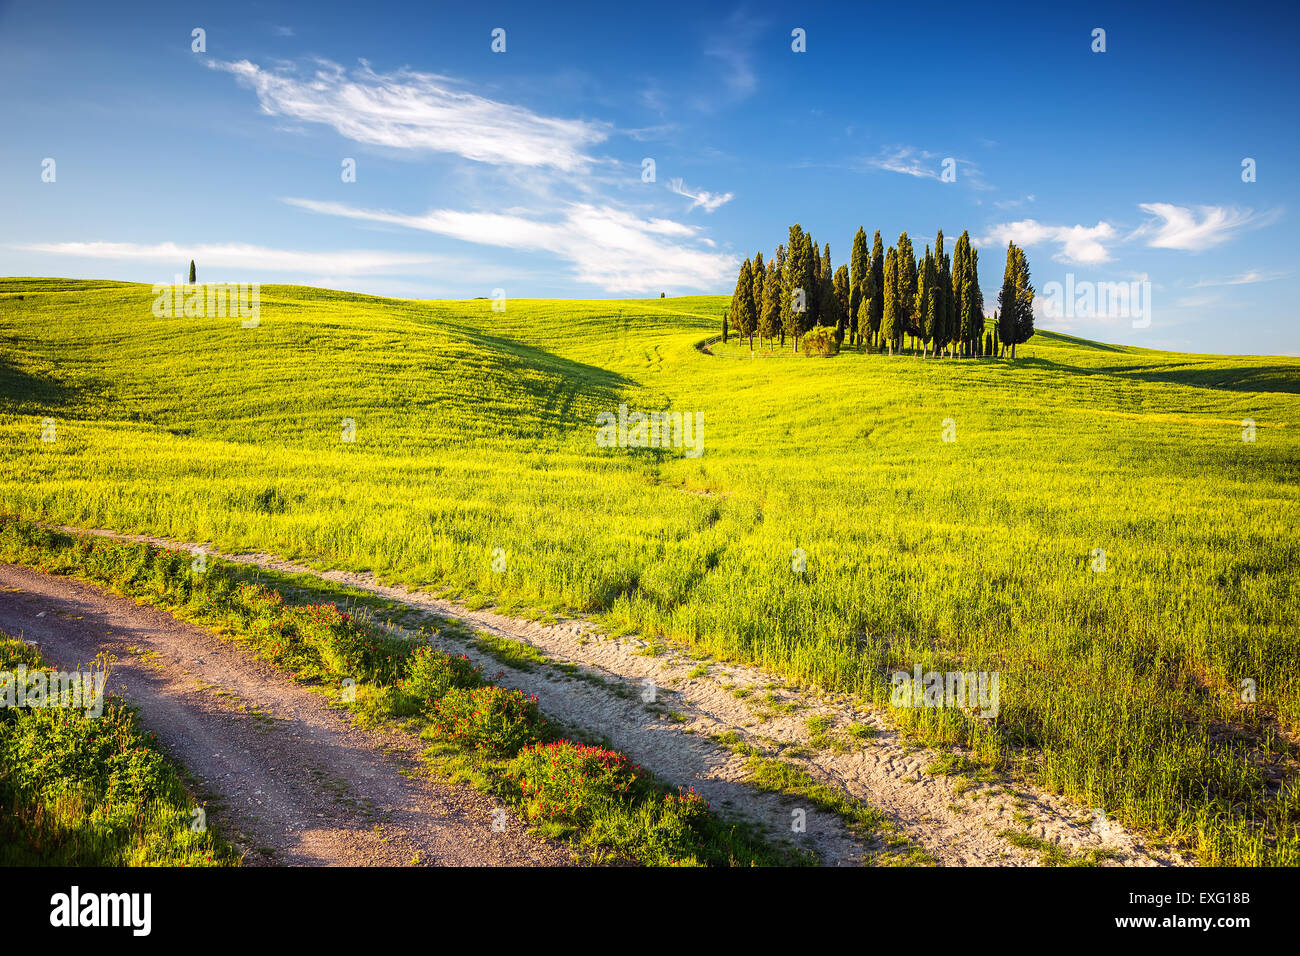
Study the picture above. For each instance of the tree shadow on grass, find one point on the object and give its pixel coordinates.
(25, 392)
(1252, 378)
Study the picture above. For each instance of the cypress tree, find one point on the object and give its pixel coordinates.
(759, 274)
(927, 302)
(859, 267)
(877, 288)
(843, 299)
(828, 306)
(1024, 302)
(811, 260)
(192, 275)
(796, 287)
(743, 316)
(891, 317)
(1016, 300)
(769, 318)
(942, 296)
(907, 282)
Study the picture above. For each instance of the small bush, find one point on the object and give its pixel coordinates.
(432, 673)
(492, 720)
(564, 782)
(821, 340)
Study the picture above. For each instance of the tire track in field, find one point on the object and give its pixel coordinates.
(598, 687)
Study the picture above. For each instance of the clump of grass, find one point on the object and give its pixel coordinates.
(779, 776)
(1053, 854)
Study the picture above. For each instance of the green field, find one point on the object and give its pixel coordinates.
(475, 430)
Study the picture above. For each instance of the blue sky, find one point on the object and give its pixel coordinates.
(523, 170)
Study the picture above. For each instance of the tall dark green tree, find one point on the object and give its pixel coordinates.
(828, 306)
(966, 289)
(859, 267)
(192, 274)
(941, 334)
(759, 274)
(891, 322)
(798, 262)
(927, 301)
(743, 317)
(811, 260)
(907, 282)
(1016, 300)
(877, 288)
(843, 298)
(769, 316)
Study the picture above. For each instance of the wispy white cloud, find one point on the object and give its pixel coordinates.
(1180, 227)
(420, 111)
(907, 160)
(924, 164)
(1084, 245)
(732, 46)
(282, 31)
(1244, 278)
(244, 257)
(706, 200)
(606, 246)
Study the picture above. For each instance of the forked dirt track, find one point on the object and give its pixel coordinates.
(288, 780)
(600, 685)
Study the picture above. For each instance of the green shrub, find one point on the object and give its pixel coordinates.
(821, 340)
(564, 782)
(431, 673)
(492, 720)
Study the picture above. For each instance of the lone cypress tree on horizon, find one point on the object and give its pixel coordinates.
(192, 275)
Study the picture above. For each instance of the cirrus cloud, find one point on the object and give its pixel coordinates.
(1180, 227)
(422, 111)
(605, 245)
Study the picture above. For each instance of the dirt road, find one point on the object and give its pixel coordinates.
(288, 779)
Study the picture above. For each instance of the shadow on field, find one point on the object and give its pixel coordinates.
(563, 383)
(23, 392)
(1258, 378)
(1253, 378)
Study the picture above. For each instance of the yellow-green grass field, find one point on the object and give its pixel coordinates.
(476, 430)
